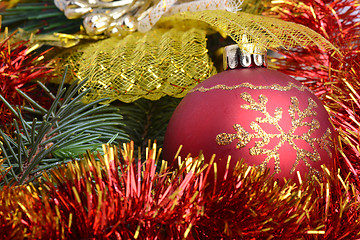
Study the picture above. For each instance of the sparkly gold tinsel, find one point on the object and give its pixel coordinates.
(151, 65)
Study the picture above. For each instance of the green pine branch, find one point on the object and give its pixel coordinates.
(40, 15)
(147, 120)
(61, 133)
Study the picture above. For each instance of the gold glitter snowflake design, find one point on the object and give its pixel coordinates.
(297, 120)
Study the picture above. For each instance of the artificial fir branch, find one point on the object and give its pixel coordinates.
(38, 15)
(145, 119)
(67, 129)
(3, 171)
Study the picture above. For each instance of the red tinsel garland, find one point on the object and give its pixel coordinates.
(18, 68)
(116, 197)
(333, 78)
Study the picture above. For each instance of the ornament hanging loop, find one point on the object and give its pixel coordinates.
(248, 56)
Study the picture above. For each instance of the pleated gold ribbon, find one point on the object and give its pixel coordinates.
(172, 58)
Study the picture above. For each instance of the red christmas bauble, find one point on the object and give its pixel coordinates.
(263, 116)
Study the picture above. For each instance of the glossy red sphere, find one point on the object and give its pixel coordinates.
(263, 116)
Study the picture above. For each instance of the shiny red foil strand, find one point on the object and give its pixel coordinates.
(18, 69)
(122, 198)
(333, 78)
(119, 197)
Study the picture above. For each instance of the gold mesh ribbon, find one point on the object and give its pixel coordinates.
(172, 58)
(264, 32)
(151, 65)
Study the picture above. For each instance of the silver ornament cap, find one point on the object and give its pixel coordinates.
(248, 56)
